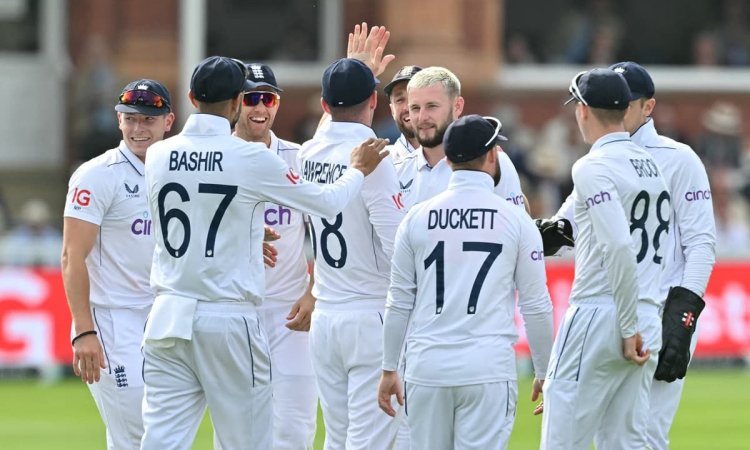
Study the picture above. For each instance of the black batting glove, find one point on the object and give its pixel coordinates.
(555, 234)
(680, 316)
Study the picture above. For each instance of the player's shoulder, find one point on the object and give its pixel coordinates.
(674, 152)
(288, 146)
(406, 162)
(104, 165)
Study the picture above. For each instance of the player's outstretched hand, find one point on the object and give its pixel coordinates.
(270, 254)
(88, 358)
(536, 391)
(301, 313)
(367, 155)
(632, 349)
(369, 48)
(269, 234)
(555, 233)
(390, 385)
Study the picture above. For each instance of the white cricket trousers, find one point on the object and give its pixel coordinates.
(225, 366)
(665, 399)
(474, 417)
(119, 393)
(590, 387)
(347, 352)
(295, 395)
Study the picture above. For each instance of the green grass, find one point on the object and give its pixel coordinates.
(35, 416)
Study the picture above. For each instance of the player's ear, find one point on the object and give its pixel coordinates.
(458, 106)
(324, 105)
(374, 100)
(649, 107)
(168, 121)
(193, 101)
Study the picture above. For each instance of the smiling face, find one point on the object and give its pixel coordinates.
(139, 131)
(256, 121)
(400, 110)
(431, 110)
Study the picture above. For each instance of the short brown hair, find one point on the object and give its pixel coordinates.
(608, 116)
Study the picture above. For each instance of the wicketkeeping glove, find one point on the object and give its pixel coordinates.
(555, 234)
(680, 316)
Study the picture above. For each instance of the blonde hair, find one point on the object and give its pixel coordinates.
(434, 75)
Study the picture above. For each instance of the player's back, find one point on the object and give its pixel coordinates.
(352, 249)
(618, 171)
(465, 247)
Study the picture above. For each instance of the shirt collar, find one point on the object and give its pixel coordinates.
(645, 133)
(206, 124)
(471, 178)
(617, 136)
(345, 131)
(274, 147)
(135, 162)
(402, 141)
(422, 160)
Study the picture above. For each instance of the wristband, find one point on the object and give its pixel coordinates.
(85, 333)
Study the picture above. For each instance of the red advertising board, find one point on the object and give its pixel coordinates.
(35, 322)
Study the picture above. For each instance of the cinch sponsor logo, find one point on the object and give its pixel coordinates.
(515, 199)
(537, 255)
(141, 227)
(601, 197)
(81, 197)
(694, 196)
(278, 215)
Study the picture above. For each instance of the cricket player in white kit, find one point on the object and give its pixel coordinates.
(689, 267)
(106, 259)
(352, 265)
(399, 104)
(604, 355)
(203, 343)
(454, 254)
(435, 101)
(288, 303)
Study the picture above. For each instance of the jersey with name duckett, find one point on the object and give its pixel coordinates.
(418, 181)
(207, 192)
(354, 248)
(457, 258)
(620, 198)
(109, 191)
(287, 281)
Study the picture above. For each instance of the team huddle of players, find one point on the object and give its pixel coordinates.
(404, 330)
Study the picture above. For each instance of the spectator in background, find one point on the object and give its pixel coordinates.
(705, 49)
(34, 242)
(732, 232)
(734, 37)
(589, 34)
(666, 119)
(720, 145)
(519, 50)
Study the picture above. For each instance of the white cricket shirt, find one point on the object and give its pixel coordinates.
(694, 230)
(622, 210)
(400, 149)
(207, 191)
(457, 258)
(419, 181)
(353, 248)
(288, 280)
(110, 191)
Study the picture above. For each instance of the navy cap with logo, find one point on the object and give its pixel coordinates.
(144, 96)
(472, 136)
(262, 75)
(348, 82)
(218, 78)
(600, 88)
(404, 74)
(639, 81)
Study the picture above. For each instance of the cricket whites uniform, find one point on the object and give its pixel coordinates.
(453, 254)
(352, 269)
(419, 181)
(295, 396)
(203, 343)
(694, 235)
(622, 211)
(109, 191)
(400, 149)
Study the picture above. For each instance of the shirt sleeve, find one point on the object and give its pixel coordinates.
(610, 227)
(567, 212)
(694, 216)
(90, 194)
(533, 297)
(401, 297)
(509, 186)
(384, 204)
(278, 183)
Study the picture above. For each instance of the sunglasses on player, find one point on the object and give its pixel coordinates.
(141, 97)
(269, 99)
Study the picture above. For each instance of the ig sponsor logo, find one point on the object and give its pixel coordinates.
(81, 198)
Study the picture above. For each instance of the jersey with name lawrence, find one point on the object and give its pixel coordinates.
(109, 191)
(693, 230)
(352, 249)
(418, 181)
(622, 210)
(288, 280)
(207, 191)
(467, 248)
